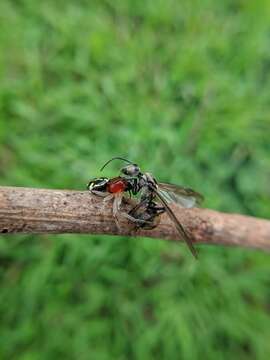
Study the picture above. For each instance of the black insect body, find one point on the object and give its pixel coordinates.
(114, 189)
(152, 193)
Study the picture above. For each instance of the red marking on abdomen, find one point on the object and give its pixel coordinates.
(116, 185)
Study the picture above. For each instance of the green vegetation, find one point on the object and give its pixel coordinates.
(181, 87)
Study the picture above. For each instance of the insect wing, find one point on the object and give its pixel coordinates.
(179, 227)
(185, 197)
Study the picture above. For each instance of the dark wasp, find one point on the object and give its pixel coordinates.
(154, 199)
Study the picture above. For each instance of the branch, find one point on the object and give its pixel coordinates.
(26, 210)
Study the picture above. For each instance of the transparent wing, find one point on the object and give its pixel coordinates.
(185, 197)
(178, 225)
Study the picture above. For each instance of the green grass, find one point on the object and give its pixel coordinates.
(182, 88)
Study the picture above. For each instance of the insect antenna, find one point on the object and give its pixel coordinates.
(116, 158)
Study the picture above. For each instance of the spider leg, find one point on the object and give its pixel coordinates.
(138, 206)
(144, 213)
(117, 213)
(150, 215)
(158, 209)
(133, 219)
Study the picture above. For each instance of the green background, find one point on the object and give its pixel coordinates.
(182, 88)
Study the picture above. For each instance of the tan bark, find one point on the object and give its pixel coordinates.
(26, 210)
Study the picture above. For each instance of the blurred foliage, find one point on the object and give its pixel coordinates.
(182, 88)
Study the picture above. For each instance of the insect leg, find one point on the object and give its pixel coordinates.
(108, 197)
(116, 208)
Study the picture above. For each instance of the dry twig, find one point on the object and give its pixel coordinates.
(26, 210)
